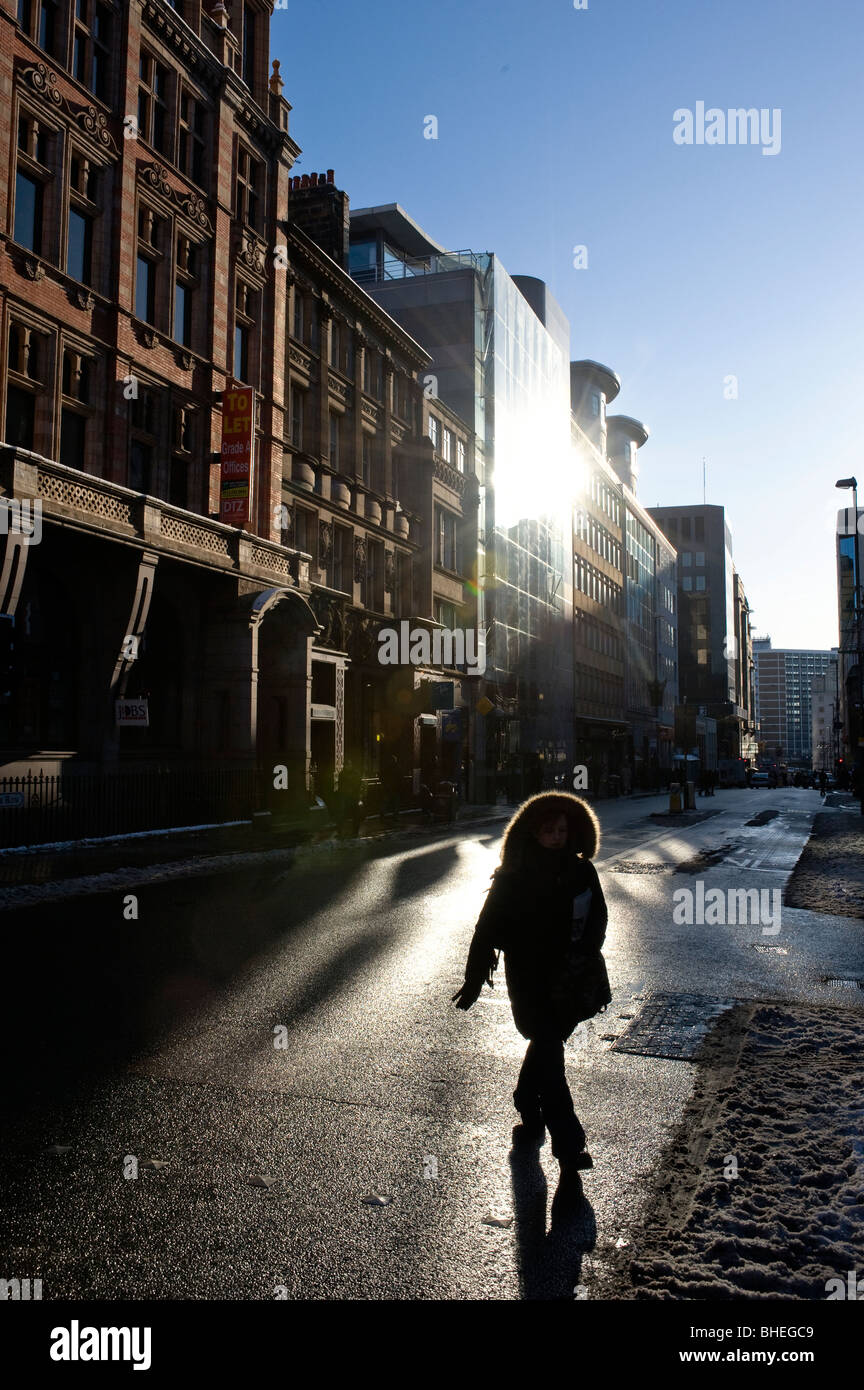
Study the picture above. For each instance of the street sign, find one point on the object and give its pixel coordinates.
(132, 713)
(238, 410)
(484, 706)
(11, 799)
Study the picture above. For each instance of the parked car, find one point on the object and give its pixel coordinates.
(760, 779)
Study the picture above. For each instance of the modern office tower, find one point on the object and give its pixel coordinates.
(711, 658)
(625, 638)
(500, 349)
(851, 632)
(784, 679)
(825, 718)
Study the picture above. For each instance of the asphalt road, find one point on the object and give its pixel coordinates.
(280, 1040)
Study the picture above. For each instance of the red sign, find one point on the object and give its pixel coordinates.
(235, 491)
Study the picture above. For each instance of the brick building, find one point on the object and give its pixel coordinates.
(148, 263)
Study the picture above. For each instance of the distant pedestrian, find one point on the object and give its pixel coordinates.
(546, 912)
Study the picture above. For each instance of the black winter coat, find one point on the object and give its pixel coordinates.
(529, 915)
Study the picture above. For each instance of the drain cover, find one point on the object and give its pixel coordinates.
(837, 982)
(671, 1025)
(778, 950)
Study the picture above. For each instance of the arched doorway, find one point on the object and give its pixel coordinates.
(285, 625)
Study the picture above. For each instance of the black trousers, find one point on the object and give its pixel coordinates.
(543, 1083)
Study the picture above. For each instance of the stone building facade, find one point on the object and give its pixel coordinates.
(149, 263)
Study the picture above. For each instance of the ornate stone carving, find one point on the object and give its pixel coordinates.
(253, 253)
(186, 360)
(331, 619)
(359, 559)
(84, 299)
(148, 337)
(88, 118)
(361, 637)
(325, 543)
(389, 572)
(191, 204)
(34, 269)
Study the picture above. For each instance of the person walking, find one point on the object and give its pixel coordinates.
(546, 911)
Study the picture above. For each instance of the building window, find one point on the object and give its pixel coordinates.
(249, 46)
(685, 528)
(250, 184)
(77, 395)
(445, 614)
(335, 343)
(148, 267)
(145, 290)
(29, 194)
(366, 459)
(183, 447)
(297, 330)
(686, 558)
(434, 430)
(193, 139)
(687, 584)
(447, 445)
(297, 400)
(699, 524)
(700, 559)
(28, 372)
(92, 46)
(595, 403)
(343, 559)
(373, 586)
(185, 284)
(445, 539)
(83, 183)
(460, 455)
(700, 583)
(244, 327)
(38, 19)
(334, 440)
(404, 596)
(144, 441)
(153, 125)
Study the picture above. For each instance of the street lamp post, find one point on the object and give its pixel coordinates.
(856, 609)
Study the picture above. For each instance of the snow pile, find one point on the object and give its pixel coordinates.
(776, 1207)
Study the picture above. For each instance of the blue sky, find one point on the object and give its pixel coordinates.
(704, 261)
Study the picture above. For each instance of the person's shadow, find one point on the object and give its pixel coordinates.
(550, 1262)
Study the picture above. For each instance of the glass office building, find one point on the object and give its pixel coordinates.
(500, 349)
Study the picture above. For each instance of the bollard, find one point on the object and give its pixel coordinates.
(674, 797)
(689, 796)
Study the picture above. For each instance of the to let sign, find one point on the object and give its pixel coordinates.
(238, 408)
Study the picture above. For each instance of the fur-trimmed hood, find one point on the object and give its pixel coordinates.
(584, 827)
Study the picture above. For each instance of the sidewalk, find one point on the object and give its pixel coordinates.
(760, 1190)
(829, 876)
(71, 870)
